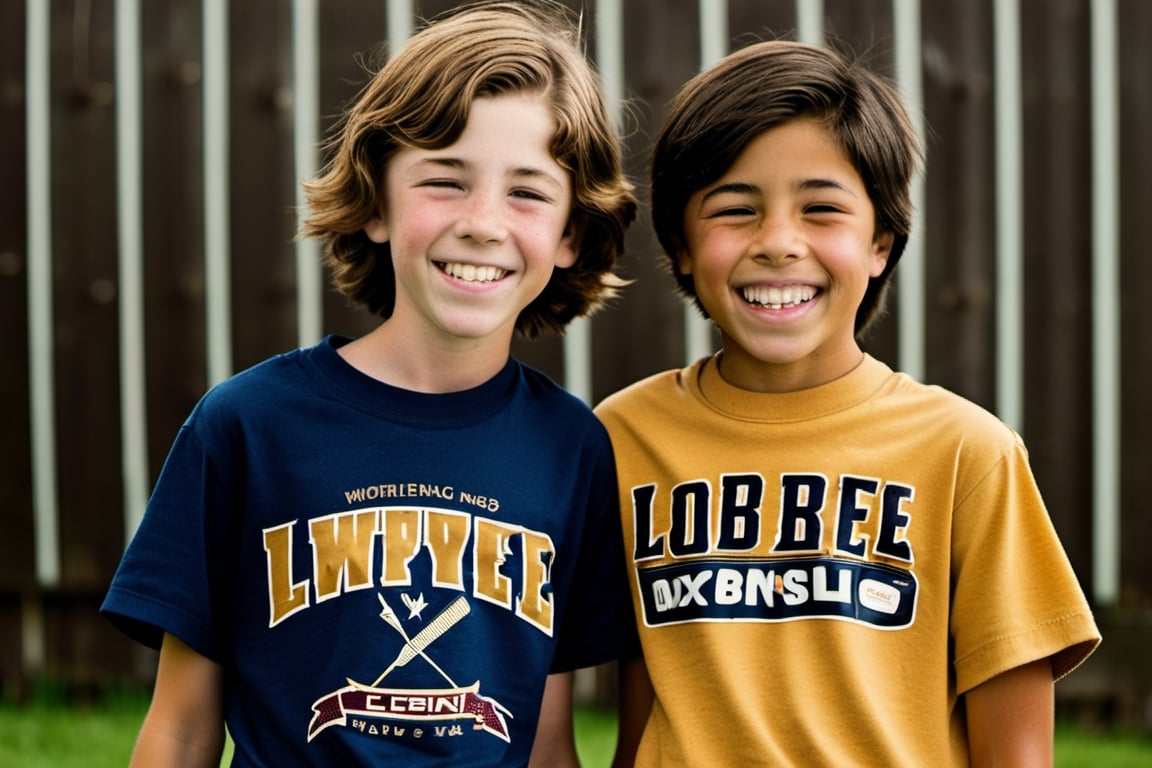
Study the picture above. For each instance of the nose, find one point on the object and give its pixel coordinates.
(777, 240)
(482, 216)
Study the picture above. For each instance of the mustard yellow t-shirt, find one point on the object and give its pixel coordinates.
(820, 575)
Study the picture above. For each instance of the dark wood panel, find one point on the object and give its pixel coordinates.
(642, 332)
(263, 183)
(1058, 243)
(959, 216)
(85, 243)
(353, 44)
(1135, 70)
(16, 545)
(173, 217)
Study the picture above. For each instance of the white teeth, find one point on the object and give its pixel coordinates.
(778, 298)
(470, 273)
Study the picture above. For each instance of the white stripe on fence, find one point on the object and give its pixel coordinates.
(401, 18)
(911, 276)
(1009, 214)
(129, 211)
(1105, 304)
(810, 21)
(305, 142)
(41, 328)
(217, 193)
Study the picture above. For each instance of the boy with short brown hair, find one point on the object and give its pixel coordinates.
(832, 564)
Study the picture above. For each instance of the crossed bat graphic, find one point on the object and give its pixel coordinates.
(415, 646)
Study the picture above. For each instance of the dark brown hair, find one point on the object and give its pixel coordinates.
(716, 114)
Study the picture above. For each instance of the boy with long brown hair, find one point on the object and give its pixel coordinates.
(393, 550)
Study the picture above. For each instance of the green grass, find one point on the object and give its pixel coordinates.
(49, 733)
(1078, 748)
(595, 736)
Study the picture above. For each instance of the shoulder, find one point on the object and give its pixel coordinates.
(945, 416)
(651, 390)
(542, 398)
(267, 375)
(654, 407)
(540, 389)
(267, 390)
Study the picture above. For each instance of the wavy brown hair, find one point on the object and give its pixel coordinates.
(421, 98)
(719, 112)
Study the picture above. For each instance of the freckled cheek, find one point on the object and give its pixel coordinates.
(417, 231)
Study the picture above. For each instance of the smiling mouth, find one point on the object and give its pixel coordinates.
(471, 273)
(778, 298)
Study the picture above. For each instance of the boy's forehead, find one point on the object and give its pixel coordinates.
(511, 134)
(804, 152)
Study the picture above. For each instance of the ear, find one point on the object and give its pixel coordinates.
(878, 256)
(683, 261)
(377, 229)
(568, 250)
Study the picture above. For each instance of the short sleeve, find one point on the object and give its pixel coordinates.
(598, 625)
(1016, 597)
(165, 580)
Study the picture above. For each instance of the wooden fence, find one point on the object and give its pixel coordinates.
(150, 152)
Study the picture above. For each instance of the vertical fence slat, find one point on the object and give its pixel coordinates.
(810, 21)
(400, 23)
(217, 197)
(306, 107)
(133, 416)
(1105, 304)
(41, 369)
(910, 289)
(1009, 213)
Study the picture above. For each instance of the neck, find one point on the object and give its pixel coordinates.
(745, 372)
(396, 357)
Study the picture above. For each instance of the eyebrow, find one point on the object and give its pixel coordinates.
(744, 188)
(523, 172)
(734, 188)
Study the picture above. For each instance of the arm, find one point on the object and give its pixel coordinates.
(555, 744)
(185, 722)
(636, 696)
(1010, 718)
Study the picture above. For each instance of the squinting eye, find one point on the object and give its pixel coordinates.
(529, 194)
(723, 212)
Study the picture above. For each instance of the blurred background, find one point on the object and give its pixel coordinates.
(150, 153)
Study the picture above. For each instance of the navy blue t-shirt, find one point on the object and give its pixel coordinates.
(387, 577)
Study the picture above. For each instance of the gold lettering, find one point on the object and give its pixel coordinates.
(342, 551)
(536, 607)
(284, 597)
(401, 541)
(446, 534)
(491, 546)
